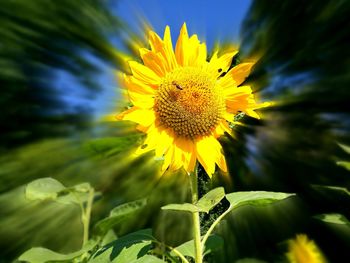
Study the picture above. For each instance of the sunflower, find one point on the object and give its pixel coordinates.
(184, 102)
(303, 250)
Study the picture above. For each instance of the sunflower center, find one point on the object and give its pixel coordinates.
(189, 102)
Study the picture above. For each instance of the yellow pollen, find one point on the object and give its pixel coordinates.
(189, 102)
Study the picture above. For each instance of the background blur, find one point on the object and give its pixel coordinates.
(58, 64)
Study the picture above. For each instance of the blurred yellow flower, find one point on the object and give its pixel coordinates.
(184, 102)
(303, 250)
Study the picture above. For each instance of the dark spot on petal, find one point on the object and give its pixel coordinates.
(219, 70)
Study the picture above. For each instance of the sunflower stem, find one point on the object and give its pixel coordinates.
(86, 216)
(195, 217)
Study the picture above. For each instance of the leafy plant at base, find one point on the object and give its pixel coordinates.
(211, 242)
(139, 246)
(135, 245)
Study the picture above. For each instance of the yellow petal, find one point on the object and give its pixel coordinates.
(168, 157)
(221, 64)
(141, 116)
(154, 61)
(181, 153)
(234, 92)
(141, 128)
(188, 157)
(242, 99)
(168, 49)
(141, 101)
(229, 116)
(196, 53)
(208, 153)
(222, 128)
(140, 94)
(155, 42)
(191, 162)
(165, 140)
(150, 141)
(221, 161)
(202, 54)
(144, 73)
(252, 113)
(135, 85)
(163, 48)
(189, 51)
(236, 75)
(177, 161)
(239, 99)
(181, 46)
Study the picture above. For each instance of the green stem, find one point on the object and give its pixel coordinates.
(178, 253)
(87, 215)
(195, 217)
(210, 230)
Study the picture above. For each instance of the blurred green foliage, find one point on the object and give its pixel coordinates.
(39, 39)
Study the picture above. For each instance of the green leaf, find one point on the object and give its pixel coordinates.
(344, 164)
(72, 197)
(211, 199)
(44, 188)
(345, 147)
(205, 204)
(254, 198)
(109, 237)
(186, 249)
(49, 188)
(42, 255)
(332, 190)
(128, 248)
(333, 219)
(118, 214)
(182, 207)
(131, 253)
(82, 188)
(148, 259)
(213, 243)
(128, 207)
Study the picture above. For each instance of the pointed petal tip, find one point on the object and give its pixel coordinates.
(120, 116)
(152, 35)
(167, 35)
(184, 29)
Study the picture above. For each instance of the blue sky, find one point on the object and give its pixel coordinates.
(211, 20)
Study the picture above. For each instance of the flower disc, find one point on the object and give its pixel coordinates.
(189, 102)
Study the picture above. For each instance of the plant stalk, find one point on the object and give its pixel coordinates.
(87, 215)
(195, 217)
